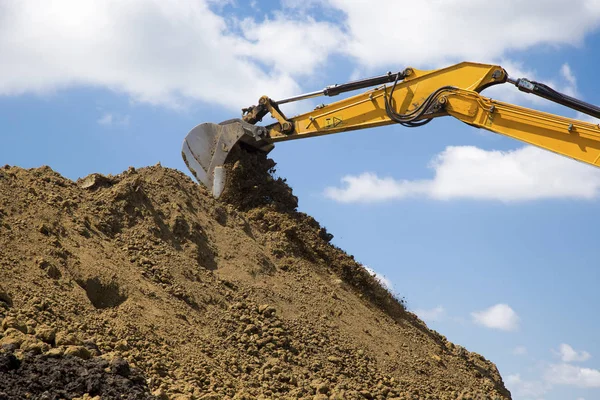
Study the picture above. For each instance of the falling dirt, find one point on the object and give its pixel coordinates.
(251, 182)
(141, 285)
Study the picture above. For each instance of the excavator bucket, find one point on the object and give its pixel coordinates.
(208, 146)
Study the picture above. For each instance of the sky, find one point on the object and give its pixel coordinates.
(491, 242)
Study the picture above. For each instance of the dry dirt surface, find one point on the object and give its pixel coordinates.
(143, 286)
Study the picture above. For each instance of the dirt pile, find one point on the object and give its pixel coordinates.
(147, 284)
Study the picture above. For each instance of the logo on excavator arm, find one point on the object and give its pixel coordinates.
(332, 122)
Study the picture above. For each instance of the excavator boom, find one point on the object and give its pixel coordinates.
(411, 98)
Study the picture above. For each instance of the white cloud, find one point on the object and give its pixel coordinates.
(551, 376)
(451, 25)
(500, 316)
(566, 72)
(171, 53)
(566, 374)
(220, 4)
(303, 4)
(434, 314)
(167, 53)
(467, 172)
(520, 351)
(368, 187)
(380, 278)
(587, 118)
(291, 46)
(106, 119)
(110, 119)
(568, 354)
(526, 389)
(570, 88)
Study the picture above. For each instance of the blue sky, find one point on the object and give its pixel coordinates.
(493, 243)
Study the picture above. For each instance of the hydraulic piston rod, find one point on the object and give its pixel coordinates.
(545, 91)
(334, 90)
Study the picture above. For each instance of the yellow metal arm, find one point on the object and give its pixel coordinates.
(569, 137)
(368, 110)
(452, 91)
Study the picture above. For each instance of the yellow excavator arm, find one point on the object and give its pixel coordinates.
(411, 98)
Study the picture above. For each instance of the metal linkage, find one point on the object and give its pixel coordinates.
(334, 90)
(545, 91)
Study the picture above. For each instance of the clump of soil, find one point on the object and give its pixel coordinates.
(205, 299)
(251, 182)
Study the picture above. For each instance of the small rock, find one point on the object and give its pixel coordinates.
(338, 395)
(323, 388)
(44, 229)
(109, 356)
(31, 345)
(461, 351)
(146, 261)
(9, 362)
(5, 297)
(262, 308)
(45, 334)
(67, 339)
(12, 322)
(210, 396)
(120, 367)
(334, 359)
(251, 328)
(12, 342)
(78, 351)
(122, 345)
(366, 394)
(94, 181)
(269, 311)
(53, 272)
(55, 353)
(9, 348)
(42, 263)
(31, 324)
(160, 394)
(82, 230)
(14, 333)
(92, 347)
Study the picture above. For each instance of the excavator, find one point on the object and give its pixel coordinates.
(411, 98)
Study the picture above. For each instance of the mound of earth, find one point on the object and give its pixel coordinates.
(142, 285)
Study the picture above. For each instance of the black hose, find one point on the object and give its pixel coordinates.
(410, 119)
